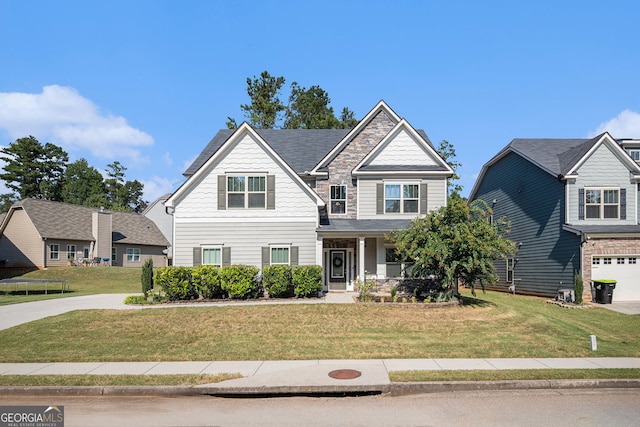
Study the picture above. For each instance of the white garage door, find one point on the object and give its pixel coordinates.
(624, 269)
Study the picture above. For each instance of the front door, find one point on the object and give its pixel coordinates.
(337, 271)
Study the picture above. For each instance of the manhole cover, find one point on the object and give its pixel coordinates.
(345, 374)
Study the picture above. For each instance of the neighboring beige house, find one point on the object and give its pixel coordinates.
(41, 233)
(320, 197)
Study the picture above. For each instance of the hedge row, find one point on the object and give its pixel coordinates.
(238, 281)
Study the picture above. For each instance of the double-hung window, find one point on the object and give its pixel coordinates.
(212, 256)
(54, 251)
(395, 265)
(133, 254)
(280, 255)
(71, 252)
(338, 199)
(602, 203)
(246, 192)
(635, 154)
(401, 198)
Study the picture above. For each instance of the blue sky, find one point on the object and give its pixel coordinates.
(149, 83)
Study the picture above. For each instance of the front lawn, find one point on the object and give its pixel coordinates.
(493, 325)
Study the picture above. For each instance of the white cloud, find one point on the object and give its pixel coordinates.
(62, 116)
(166, 157)
(156, 186)
(625, 125)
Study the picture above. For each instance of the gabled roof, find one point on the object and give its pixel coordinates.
(301, 149)
(558, 157)
(422, 142)
(56, 220)
(236, 135)
(160, 199)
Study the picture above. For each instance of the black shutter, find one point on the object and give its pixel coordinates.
(623, 203)
(423, 198)
(222, 192)
(226, 256)
(294, 256)
(271, 191)
(581, 203)
(379, 198)
(197, 256)
(266, 256)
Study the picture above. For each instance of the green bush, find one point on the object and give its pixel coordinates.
(365, 290)
(276, 279)
(176, 283)
(239, 281)
(147, 277)
(307, 280)
(578, 287)
(207, 282)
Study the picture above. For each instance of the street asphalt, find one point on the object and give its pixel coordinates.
(297, 377)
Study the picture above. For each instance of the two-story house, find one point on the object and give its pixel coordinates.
(316, 197)
(573, 207)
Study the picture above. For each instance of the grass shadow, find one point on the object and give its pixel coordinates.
(475, 302)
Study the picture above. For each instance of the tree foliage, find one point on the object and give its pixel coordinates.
(448, 153)
(456, 242)
(307, 108)
(83, 185)
(123, 195)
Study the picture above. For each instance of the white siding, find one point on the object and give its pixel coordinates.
(246, 156)
(245, 238)
(403, 150)
(436, 196)
(602, 169)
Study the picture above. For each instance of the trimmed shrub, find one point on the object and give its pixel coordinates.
(207, 282)
(307, 280)
(239, 281)
(276, 279)
(176, 282)
(147, 277)
(578, 287)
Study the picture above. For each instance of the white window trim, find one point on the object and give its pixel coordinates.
(51, 251)
(246, 191)
(211, 247)
(402, 199)
(637, 152)
(509, 269)
(287, 247)
(602, 204)
(71, 253)
(133, 255)
(331, 200)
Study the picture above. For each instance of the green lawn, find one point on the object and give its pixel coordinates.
(82, 281)
(491, 325)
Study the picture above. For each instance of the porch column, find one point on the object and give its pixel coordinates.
(361, 275)
(319, 250)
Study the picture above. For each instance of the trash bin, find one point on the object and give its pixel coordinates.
(604, 290)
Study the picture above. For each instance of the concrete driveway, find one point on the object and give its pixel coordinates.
(627, 307)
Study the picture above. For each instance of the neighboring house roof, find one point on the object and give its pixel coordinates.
(603, 229)
(368, 225)
(56, 220)
(558, 157)
(155, 202)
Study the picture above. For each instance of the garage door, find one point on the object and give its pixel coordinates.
(625, 270)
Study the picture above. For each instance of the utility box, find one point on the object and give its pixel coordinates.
(566, 295)
(604, 290)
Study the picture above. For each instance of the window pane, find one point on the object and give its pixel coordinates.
(394, 270)
(236, 200)
(256, 183)
(391, 255)
(611, 211)
(280, 255)
(410, 206)
(392, 191)
(593, 211)
(337, 207)
(338, 192)
(392, 206)
(256, 200)
(235, 183)
(592, 196)
(611, 196)
(411, 191)
(211, 256)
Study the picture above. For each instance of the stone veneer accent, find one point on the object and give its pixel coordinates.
(341, 166)
(604, 247)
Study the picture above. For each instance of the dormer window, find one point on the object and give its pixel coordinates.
(246, 192)
(602, 203)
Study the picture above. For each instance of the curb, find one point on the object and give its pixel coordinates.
(393, 389)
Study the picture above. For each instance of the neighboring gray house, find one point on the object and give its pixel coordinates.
(40, 233)
(157, 213)
(315, 197)
(573, 207)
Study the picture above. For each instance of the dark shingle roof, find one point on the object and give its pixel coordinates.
(556, 155)
(361, 225)
(301, 149)
(55, 220)
(607, 229)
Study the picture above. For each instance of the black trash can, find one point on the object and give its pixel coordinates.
(604, 290)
